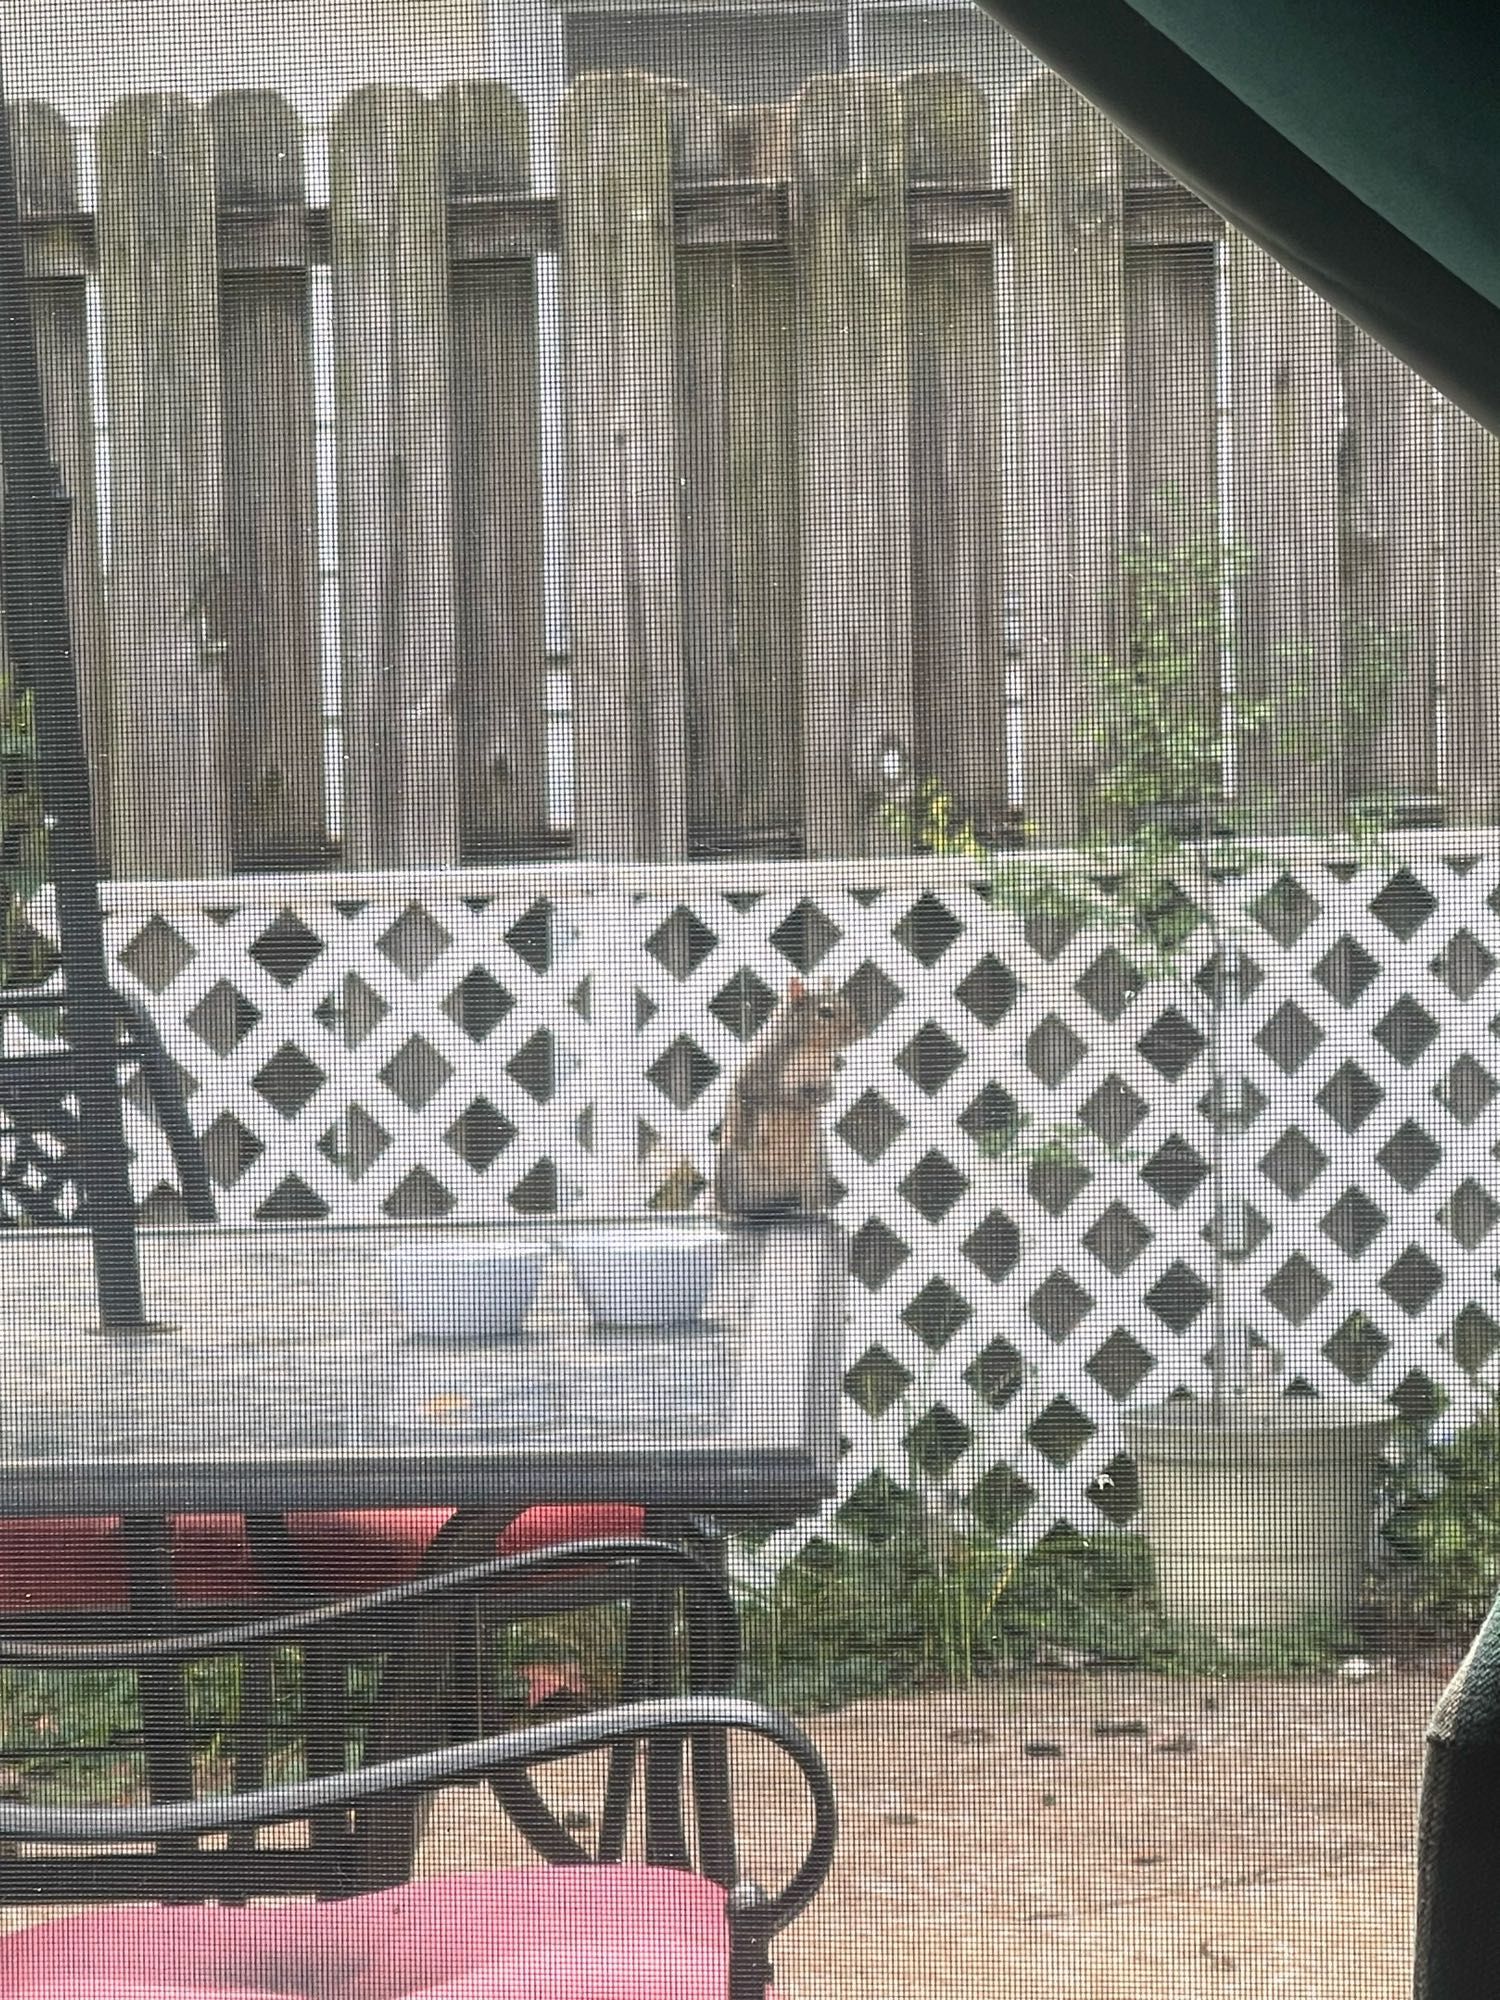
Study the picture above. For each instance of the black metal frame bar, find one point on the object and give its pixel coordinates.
(33, 559)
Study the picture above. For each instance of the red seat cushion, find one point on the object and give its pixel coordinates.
(78, 1563)
(620, 1933)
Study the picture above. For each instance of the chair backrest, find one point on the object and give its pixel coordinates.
(41, 1164)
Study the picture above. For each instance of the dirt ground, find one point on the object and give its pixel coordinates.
(1160, 1840)
(1092, 1836)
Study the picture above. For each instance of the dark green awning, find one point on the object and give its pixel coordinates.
(1358, 141)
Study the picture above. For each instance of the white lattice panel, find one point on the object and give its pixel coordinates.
(481, 1043)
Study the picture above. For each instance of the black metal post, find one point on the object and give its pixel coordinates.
(34, 562)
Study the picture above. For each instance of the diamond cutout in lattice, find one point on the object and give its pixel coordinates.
(989, 991)
(683, 1072)
(354, 1142)
(930, 1058)
(1463, 965)
(535, 1193)
(1407, 1031)
(1413, 1281)
(478, 1004)
(1297, 1289)
(1475, 1338)
(994, 1247)
(223, 1017)
(1404, 904)
(1357, 1349)
(1117, 1491)
(411, 944)
(1349, 1096)
(1113, 1111)
(645, 1009)
(1060, 1432)
(157, 954)
(1289, 1037)
(1418, 1397)
(939, 1441)
(416, 1073)
(805, 936)
(479, 1134)
(1293, 1163)
(229, 1148)
(1353, 1222)
(874, 1253)
(418, 1197)
(991, 1119)
(1409, 1155)
(1232, 1104)
(877, 1380)
(1056, 1182)
(351, 1013)
(936, 1313)
(927, 930)
(1237, 1231)
(870, 1126)
(872, 995)
(286, 948)
(530, 936)
(1120, 1364)
(292, 1200)
(1178, 1297)
(1049, 934)
(1220, 979)
(1058, 1305)
(1117, 1237)
(1469, 1214)
(996, 1373)
(744, 1005)
(1285, 910)
(1345, 970)
(1110, 983)
(289, 1080)
(1171, 1044)
(1467, 1091)
(1175, 1171)
(534, 1066)
(681, 944)
(1000, 1499)
(1053, 1050)
(933, 1186)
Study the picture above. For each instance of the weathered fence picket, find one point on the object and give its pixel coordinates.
(619, 318)
(388, 203)
(159, 285)
(858, 444)
(47, 173)
(1068, 166)
(273, 778)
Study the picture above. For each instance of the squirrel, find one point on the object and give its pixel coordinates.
(771, 1160)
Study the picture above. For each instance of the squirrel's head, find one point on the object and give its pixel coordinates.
(822, 1015)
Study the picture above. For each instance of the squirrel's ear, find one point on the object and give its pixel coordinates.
(796, 990)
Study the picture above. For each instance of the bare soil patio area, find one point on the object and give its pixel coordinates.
(1108, 1836)
(1081, 1835)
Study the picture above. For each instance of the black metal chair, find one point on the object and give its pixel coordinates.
(603, 1932)
(422, 1640)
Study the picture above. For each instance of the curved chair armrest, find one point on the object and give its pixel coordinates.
(677, 1564)
(541, 1743)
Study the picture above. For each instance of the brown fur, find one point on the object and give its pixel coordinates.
(771, 1158)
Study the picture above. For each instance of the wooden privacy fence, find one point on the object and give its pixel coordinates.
(855, 440)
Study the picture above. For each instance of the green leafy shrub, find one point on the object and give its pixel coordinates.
(1443, 1528)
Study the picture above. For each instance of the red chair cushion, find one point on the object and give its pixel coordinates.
(621, 1933)
(78, 1563)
